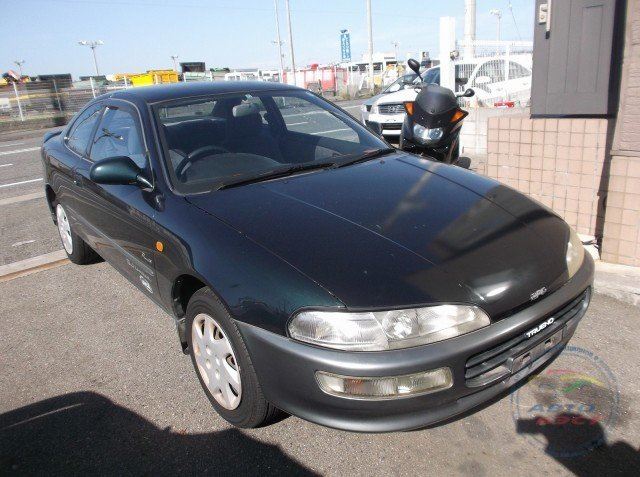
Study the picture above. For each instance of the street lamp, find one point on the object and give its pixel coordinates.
(395, 48)
(93, 44)
(19, 63)
(175, 62)
(498, 14)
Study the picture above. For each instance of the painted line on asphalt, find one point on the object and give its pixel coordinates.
(19, 183)
(297, 124)
(17, 151)
(23, 242)
(330, 131)
(6, 165)
(9, 144)
(21, 198)
(31, 265)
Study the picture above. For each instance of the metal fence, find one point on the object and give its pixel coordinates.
(46, 99)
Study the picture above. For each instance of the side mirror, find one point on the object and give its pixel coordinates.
(468, 93)
(395, 87)
(415, 66)
(483, 80)
(118, 170)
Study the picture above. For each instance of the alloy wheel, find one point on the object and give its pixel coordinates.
(216, 361)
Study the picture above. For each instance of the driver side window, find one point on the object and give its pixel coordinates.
(119, 134)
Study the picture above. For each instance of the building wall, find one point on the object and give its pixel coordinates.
(587, 170)
(558, 162)
(621, 235)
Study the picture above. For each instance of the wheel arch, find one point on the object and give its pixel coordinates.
(50, 195)
(183, 288)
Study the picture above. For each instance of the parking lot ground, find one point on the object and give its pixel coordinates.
(93, 380)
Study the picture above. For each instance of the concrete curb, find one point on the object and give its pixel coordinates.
(618, 281)
(32, 265)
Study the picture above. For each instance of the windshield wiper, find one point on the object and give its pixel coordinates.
(273, 174)
(368, 155)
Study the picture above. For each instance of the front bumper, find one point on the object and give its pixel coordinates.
(385, 124)
(286, 368)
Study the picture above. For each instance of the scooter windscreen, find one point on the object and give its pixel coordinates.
(432, 103)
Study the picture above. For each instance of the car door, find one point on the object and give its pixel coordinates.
(64, 161)
(489, 80)
(120, 217)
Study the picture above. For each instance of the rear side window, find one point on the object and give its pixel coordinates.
(80, 133)
(119, 135)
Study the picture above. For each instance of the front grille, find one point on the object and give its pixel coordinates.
(490, 365)
(395, 108)
(392, 126)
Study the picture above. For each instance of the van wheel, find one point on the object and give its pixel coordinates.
(77, 250)
(223, 364)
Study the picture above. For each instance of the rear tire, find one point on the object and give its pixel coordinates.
(76, 249)
(211, 329)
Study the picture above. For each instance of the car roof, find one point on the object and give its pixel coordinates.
(157, 93)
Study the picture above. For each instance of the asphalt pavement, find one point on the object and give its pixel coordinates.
(93, 380)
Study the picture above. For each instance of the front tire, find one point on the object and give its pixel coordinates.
(223, 365)
(77, 250)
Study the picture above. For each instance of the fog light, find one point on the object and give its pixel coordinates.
(388, 387)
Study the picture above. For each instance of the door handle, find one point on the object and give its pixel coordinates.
(77, 179)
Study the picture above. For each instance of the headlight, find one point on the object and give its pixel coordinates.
(373, 109)
(427, 136)
(363, 108)
(385, 330)
(575, 253)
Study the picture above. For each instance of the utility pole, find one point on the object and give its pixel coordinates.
(175, 62)
(279, 42)
(293, 61)
(93, 45)
(370, 44)
(19, 63)
(469, 28)
(498, 14)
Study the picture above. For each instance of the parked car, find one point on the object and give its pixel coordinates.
(486, 76)
(308, 266)
(403, 82)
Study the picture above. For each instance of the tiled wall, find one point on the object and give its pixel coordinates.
(559, 162)
(621, 241)
(621, 238)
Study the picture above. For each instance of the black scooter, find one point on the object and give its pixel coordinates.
(433, 121)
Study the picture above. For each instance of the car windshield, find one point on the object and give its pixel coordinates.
(398, 84)
(212, 142)
(432, 76)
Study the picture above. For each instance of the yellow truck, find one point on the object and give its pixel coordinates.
(153, 77)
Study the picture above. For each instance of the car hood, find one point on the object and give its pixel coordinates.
(403, 231)
(373, 99)
(408, 94)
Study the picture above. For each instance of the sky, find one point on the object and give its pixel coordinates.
(143, 34)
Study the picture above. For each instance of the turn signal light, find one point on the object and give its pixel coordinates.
(458, 115)
(408, 107)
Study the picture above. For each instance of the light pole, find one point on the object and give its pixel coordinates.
(279, 42)
(498, 14)
(370, 44)
(293, 61)
(395, 47)
(93, 44)
(19, 63)
(175, 62)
